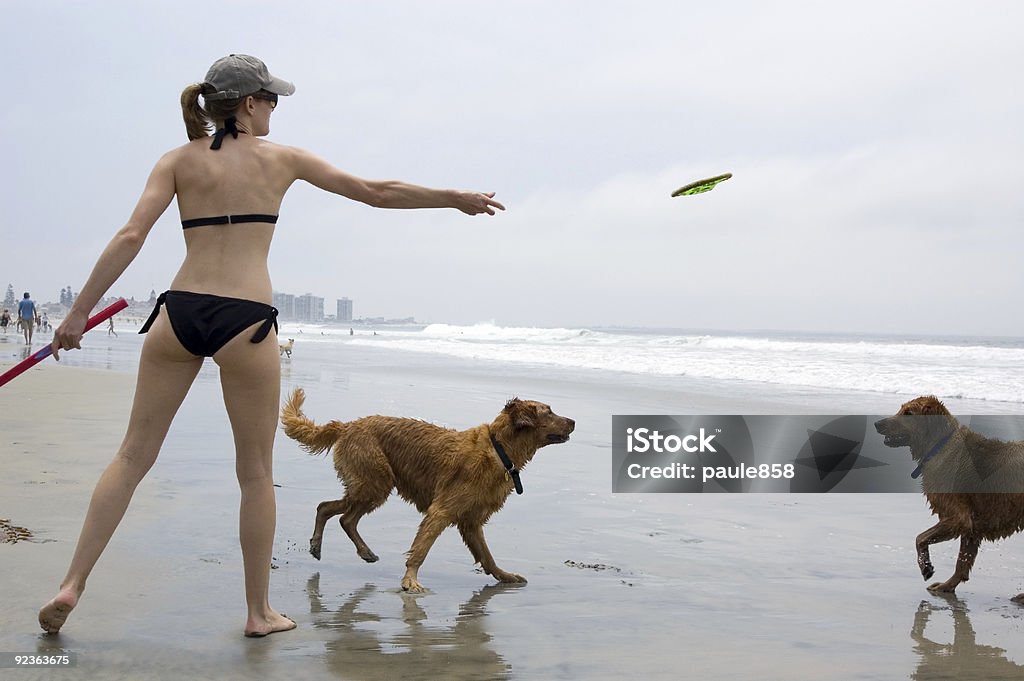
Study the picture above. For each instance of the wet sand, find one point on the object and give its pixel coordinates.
(786, 587)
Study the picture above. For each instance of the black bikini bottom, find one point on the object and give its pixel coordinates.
(204, 323)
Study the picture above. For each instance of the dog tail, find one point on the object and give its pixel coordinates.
(313, 438)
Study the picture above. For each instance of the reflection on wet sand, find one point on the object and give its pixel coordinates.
(360, 650)
(963, 659)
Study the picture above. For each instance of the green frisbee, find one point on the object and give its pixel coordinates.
(701, 186)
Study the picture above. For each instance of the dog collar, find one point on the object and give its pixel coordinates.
(932, 452)
(510, 469)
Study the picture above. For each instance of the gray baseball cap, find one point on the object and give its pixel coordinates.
(239, 75)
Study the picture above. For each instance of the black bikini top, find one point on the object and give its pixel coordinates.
(229, 129)
(228, 220)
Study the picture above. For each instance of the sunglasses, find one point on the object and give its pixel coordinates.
(267, 96)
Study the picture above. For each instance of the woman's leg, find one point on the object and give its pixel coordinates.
(166, 371)
(250, 375)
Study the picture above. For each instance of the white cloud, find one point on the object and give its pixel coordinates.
(875, 150)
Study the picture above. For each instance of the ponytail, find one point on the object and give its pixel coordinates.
(197, 121)
(200, 120)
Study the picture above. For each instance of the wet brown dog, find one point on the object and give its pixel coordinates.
(954, 462)
(452, 477)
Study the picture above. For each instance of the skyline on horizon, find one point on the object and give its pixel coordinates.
(766, 331)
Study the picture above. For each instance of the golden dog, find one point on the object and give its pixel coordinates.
(971, 483)
(452, 477)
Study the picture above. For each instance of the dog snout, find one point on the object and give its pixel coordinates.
(881, 425)
(559, 429)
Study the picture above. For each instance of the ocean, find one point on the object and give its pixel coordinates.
(978, 374)
(987, 370)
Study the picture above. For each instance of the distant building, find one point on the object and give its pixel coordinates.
(344, 310)
(285, 304)
(309, 308)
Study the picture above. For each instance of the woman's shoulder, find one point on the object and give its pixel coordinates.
(270, 147)
(197, 153)
(201, 145)
(282, 150)
(177, 153)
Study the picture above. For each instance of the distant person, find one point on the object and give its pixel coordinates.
(27, 314)
(5, 319)
(229, 188)
(110, 328)
(44, 323)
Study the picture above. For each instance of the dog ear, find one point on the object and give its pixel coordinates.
(933, 406)
(520, 413)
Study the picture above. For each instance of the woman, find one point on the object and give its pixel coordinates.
(229, 190)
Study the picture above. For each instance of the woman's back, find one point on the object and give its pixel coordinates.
(245, 176)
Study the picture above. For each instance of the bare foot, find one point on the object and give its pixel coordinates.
(53, 615)
(271, 625)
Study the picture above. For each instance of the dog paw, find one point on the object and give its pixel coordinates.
(314, 548)
(942, 588)
(368, 555)
(410, 585)
(510, 578)
(1019, 599)
(927, 571)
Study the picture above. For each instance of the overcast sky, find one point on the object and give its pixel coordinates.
(876, 147)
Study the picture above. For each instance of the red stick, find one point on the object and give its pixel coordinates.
(39, 356)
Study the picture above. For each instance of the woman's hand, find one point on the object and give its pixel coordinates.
(69, 334)
(474, 203)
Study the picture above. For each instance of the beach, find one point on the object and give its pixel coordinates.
(658, 586)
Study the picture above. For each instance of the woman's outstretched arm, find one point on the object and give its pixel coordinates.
(387, 193)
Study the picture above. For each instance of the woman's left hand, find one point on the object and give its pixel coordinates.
(474, 203)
